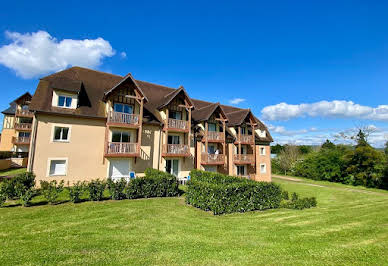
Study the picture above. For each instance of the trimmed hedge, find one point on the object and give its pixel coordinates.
(154, 184)
(227, 194)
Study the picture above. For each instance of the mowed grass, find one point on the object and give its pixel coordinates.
(349, 226)
(12, 172)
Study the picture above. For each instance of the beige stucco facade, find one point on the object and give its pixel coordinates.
(6, 139)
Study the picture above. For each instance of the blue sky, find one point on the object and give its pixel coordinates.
(331, 56)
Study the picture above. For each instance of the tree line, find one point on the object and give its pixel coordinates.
(358, 164)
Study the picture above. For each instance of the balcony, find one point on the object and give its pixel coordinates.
(24, 113)
(212, 159)
(21, 140)
(215, 136)
(122, 149)
(243, 159)
(123, 119)
(176, 150)
(247, 139)
(23, 126)
(178, 125)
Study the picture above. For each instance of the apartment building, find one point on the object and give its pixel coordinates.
(17, 125)
(89, 124)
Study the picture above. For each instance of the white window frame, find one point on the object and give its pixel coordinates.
(57, 159)
(245, 170)
(73, 96)
(53, 133)
(173, 159)
(262, 150)
(261, 168)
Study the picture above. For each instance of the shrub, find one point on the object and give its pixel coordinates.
(155, 184)
(300, 204)
(3, 197)
(226, 194)
(24, 180)
(25, 194)
(76, 191)
(8, 188)
(51, 190)
(285, 195)
(116, 188)
(96, 189)
(24, 187)
(294, 197)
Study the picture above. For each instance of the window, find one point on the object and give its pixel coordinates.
(175, 115)
(173, 139)
(262, 151)
(123, 108)
(241, 170)
(61, 134)
(24, 134)
(121, 136)
(24, 107)
(243, 131)
(212, 127)
(64, 101)
(263, 168)
(172, 167)
(57, 167)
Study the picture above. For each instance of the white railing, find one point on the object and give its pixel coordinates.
(219, 136)
(26, 113)
(178, 124)
(20, 140)
(246, 138)
(177, 149)
(244, 158)
(122, 148)
(212, 158)
(123, 118)
(23, 126)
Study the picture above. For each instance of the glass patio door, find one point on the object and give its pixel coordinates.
(172, 167)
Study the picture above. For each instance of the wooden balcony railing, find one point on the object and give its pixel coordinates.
(123, 118)
(21, 140)
(24, 113)
(247, 139)
(178, 124)
(23, 126)
(212, 158)
(123, 148)
(215, 136)
(244, 159)
(176, 149)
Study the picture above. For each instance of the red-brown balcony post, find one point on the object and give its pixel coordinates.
(206, 136)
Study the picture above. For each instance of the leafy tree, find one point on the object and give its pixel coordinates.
(288, 157)
(276, 149)
(328, 145)
(305, 149)
(386, 148)
(365, 164)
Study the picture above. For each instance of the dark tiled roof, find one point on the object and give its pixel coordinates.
(10, 110)
(97, 84)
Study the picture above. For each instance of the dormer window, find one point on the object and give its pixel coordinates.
(212, 127)
(64, 101)
(175, 115)
(123, 108)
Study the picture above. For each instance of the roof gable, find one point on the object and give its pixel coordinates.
(127, 78)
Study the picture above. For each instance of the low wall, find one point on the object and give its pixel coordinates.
(22, 162)
(5, 164)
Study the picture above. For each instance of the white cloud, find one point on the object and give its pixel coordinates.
(334, 109)
(314, 136)
(123, 55)
(237, 100)
(38, 53)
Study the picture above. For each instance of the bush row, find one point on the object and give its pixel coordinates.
(154, 184)
(226, 194)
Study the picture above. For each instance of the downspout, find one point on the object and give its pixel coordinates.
(160, 146)
(33, 143)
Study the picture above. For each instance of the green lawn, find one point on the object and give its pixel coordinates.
(12, 172)
(349, 226)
